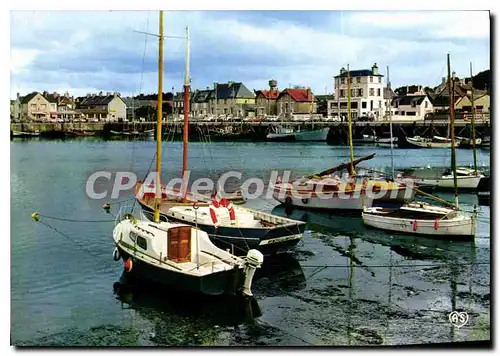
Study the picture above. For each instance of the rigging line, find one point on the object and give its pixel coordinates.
(73, 220)
(140, 86)
(72, 240)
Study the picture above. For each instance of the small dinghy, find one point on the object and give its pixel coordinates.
(422, 219)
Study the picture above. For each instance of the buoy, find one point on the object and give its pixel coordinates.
(35, 216)
(106, 207)
(127, 265)
(116, 254)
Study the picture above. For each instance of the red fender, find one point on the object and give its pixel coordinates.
(436, 224)
(415, 226)
(127, 265)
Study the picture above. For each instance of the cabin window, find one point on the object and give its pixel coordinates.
(142, 243)
(132, 235)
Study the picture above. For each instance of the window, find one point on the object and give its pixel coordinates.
(354, 105)
(378, 92)
(360, 92)
(411, 113)
(342, 80)
(132, 235)
(33, 106)
(142, 243)
(413, 104)
(479, 107)
(43, 106)
(372, 92)
(343, 105)
(353, 92)
(363, 104)
(380, 104)
(354, 115)
(371, 79)
(358, 79)
(425, 104)
(342, 93)
(380, 79)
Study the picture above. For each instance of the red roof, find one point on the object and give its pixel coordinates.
(299, 95)
(270, 94)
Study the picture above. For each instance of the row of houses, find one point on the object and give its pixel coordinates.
(369, 96)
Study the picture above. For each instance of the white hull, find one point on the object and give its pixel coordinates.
(427, 144)
(462, 225)
(447, 182)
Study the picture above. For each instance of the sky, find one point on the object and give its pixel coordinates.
(91, 51)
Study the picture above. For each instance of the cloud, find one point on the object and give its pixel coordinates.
(100, 50)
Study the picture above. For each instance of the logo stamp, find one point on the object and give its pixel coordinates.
(458, 319)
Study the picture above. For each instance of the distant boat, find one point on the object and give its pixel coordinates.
(422, 142)
(466, 177)
(366, 139)
(280, 133)
(25, 133)
(387, 141)
(464, 142)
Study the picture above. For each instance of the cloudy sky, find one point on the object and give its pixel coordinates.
(88, 51)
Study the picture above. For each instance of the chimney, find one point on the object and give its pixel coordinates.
(375, 69)
(100, 93)
(309, 94)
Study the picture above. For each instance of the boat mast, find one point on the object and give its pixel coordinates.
(186, 114)
(451, 88)
(351, 170)
(473, 126)
(389, 101)
(159, 115)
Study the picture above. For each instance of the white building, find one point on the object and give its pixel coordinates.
(413, 106)
(367, 93)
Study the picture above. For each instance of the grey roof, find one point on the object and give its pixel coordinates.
(232, 90)
(201, 96)
(50, 98)
(25, 99)
(409, 99)
(97, 100)
(359, 73)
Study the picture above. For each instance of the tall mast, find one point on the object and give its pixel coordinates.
(451, 88)
(389, 101)
(351, 170)
(186, 113)
(473, 120)
(159, 122)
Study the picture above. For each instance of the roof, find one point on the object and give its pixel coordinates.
(409, 99)
(269, 94)
(51, 98)
(359, 73)
(299, 95)
(232, 90)
(27, 98)
(98, 100)
(389, 93)
(201, 96)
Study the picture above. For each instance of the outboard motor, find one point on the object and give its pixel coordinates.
(253, 261)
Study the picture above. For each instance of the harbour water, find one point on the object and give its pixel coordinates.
(342, 285)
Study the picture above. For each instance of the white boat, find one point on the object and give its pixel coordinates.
(467, 178)
(181, 257)
(422, 219)
(387, 141)
(280, 133)
(422, 142)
